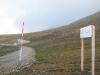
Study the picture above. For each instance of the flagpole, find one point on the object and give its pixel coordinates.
(21, 45)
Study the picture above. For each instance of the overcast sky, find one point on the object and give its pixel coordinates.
(41, 15)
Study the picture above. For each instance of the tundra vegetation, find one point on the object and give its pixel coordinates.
(58, 51)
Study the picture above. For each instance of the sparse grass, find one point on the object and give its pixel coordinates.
(61, 55)
(64, 56)
(7, 49)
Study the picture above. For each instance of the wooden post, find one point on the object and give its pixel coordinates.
(82, 54)
(87, 32)
(93, 50)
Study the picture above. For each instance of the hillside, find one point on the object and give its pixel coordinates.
(63, 31)
(69, 32)
(74, 27)
(58, 50)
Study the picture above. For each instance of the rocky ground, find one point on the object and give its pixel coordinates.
(10, 62)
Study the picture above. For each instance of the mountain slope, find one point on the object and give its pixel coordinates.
(58, 50)
(67, 31)
(74, 27)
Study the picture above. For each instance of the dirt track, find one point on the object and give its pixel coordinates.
(13, 58)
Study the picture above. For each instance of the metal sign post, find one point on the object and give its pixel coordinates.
(87, 32)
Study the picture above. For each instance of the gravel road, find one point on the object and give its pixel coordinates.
(13, 58)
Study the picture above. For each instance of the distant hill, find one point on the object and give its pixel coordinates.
(52, 34)
(64, 31)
